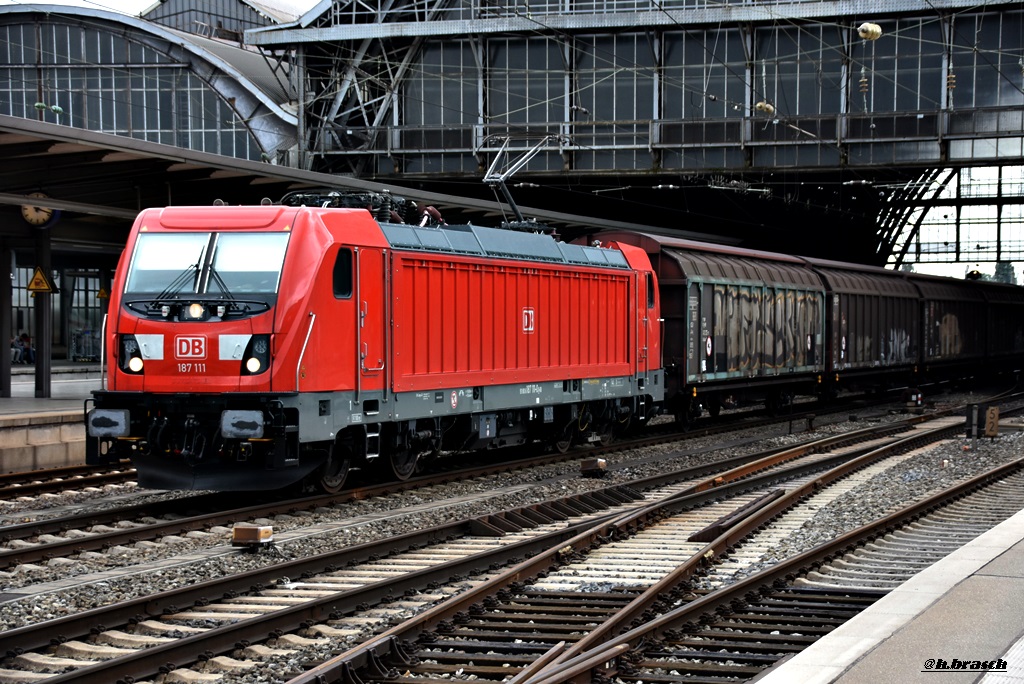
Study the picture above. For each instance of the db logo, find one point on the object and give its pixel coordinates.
(189, 347)
(528, 318)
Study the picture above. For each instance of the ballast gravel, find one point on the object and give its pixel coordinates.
(914, 479)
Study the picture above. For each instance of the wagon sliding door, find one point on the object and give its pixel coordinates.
(700, 330)
(875, 321)
(748, 318)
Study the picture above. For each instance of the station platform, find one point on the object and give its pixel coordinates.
(966, 609)
(71, 382)
(46, 433)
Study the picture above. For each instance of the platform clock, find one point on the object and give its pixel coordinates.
(34, 215)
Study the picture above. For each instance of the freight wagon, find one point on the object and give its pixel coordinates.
(750, 326)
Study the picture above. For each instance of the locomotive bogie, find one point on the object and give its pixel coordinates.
(200, 441)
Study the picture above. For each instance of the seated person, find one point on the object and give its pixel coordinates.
(28, 354)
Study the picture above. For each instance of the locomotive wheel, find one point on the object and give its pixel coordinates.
(335, 471)
(402, 463)
(606, 434)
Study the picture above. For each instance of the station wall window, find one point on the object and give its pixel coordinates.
(103, 80)
(23, 316)
(78, 309)
(86, 307)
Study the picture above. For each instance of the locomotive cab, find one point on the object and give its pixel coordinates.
(216, 292)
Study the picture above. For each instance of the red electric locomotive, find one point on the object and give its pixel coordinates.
(255, 347)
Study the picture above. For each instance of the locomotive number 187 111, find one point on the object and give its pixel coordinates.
(191, 367)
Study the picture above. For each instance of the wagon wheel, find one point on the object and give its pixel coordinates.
(773, 403)
(714, 407)
(564, 442)
(401, 463)
(335, 471)
(683, 418)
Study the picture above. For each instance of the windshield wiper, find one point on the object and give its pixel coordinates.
(220, 283)
(191, 271)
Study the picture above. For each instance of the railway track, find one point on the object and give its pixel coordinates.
(320, 603)
(490, 635)
(740, 631)
(54, 480)
(97, 531)
(306, 605)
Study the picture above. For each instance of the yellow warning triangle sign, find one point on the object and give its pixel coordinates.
(40, 283)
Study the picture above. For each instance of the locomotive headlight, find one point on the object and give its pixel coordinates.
(256, 358)
(221, 310)
(165, 310)
(195, 310)
(130, 357)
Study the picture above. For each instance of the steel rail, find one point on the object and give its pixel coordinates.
(12, 557)
(43, 552)
(59, 479)
(755, 519)
(809, 560)
(73, 626)
(381, 647)
(225, 638)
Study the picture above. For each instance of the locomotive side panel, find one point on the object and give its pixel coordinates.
(647, 326)
(336, 316)
(464, 321)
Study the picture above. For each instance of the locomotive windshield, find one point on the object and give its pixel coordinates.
(207, 263)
